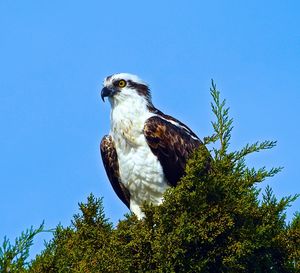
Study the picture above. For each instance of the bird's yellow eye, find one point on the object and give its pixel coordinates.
(121, 83)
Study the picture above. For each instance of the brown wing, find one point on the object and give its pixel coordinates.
(172, 144)
(111, 165)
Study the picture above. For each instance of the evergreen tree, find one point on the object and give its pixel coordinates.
(211, 222)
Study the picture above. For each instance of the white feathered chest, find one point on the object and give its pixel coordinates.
(139, 168)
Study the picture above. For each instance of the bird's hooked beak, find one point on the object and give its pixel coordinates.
(107, 92)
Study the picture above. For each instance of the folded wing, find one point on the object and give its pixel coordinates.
(111, 165)
(172, 142)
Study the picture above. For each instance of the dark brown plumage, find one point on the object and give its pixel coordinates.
(171, 144)
(111, 165)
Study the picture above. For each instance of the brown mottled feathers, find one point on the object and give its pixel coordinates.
(111, 165)
(171, 144)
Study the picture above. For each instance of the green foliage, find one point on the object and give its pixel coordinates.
(85, 246)
(213, 221)
(13, 257)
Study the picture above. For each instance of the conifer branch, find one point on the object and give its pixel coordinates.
(255, 147)
(223, 125)
(13, 257)
(252, 176)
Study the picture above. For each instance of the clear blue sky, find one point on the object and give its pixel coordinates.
(55, 54)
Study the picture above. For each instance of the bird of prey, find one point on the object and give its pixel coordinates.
(146, 151)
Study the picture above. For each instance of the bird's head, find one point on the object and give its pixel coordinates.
(123, 87)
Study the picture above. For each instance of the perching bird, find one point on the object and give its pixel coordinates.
(146, 151)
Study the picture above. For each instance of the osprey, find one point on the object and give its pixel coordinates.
(146, 151)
